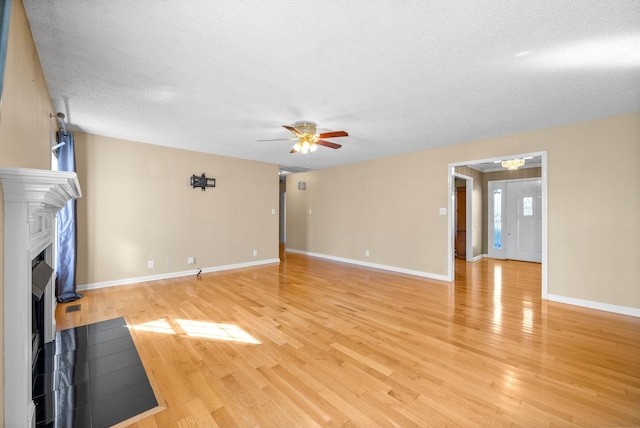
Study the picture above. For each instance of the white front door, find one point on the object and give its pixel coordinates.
(515, 219)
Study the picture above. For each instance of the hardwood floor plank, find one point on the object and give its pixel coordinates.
(289, 387)
(312, 342)
(362, 359)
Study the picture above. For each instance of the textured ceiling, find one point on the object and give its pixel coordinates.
(399, 76)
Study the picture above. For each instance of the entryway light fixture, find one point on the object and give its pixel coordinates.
(512, 164)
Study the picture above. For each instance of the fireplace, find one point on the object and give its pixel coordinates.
(32, 197)
(40, 279)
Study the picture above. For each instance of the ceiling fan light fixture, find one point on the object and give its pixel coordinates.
(305, 127)
(309, 139)
(304, 145)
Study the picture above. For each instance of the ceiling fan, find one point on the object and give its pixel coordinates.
(308, 140)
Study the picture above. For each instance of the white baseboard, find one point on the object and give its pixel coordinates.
(373, 265)
(622, 310)
(170, 275)
(480, 257)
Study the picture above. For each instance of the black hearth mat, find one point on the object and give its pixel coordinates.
(91, 376)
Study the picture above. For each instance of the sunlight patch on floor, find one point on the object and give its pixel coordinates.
(201, 329)
(216, 331)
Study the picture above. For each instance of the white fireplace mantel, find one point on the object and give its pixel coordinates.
(32, 197)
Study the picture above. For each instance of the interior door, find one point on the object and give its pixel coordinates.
(461, 223)
(523, 240)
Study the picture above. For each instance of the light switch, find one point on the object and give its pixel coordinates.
(443, 211)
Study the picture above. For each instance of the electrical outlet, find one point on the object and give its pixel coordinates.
(191, 260)
(366, 253)
(150, 264)
(169, 262)
(255, 253)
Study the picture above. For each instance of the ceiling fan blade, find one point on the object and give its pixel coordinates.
(328, 144)
(292, 129)
(280, 139)
(333, 134)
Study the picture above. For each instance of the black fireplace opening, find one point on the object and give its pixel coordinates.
(40, 277)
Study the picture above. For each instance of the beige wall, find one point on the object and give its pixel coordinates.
(25, 125)
(390, 206)
(387, 206)
(138, 205)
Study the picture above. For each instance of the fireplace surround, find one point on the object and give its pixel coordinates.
(32, 197)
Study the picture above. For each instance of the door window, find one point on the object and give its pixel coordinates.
(497, 219)
(527, 206)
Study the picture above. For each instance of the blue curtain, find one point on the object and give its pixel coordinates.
(67, 230)
(5, 16)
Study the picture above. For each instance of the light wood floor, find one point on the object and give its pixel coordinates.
(318, 343)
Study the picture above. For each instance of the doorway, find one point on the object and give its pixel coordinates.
(541, 159)
(282, 220)
(463, 214)
(461, 222)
